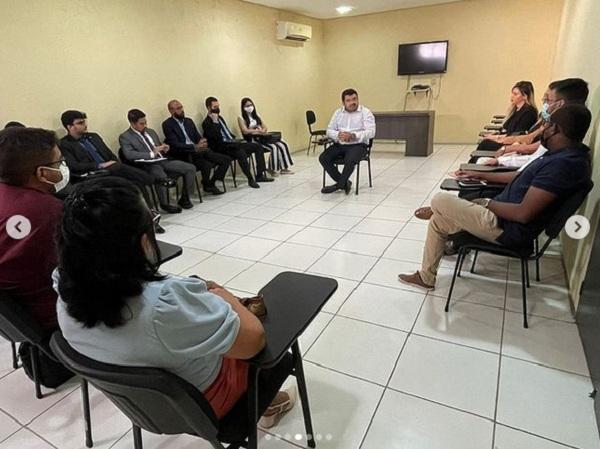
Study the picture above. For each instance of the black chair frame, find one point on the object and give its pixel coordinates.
(555, 225)
(366, 157)
(316, 136)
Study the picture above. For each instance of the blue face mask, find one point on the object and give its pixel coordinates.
(544, 112)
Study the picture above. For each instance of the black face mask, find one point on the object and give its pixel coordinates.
(215, 111)
(546, 136)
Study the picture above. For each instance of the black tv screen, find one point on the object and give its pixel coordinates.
(424, 57)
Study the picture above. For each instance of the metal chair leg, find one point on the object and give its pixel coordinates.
(198, 189)
(456, 268)
(137, 437)
(357, 176)
(527, 272)
(253, 407)
(474, 261)
(524, 289)
(369, 165)
(34, 352)
(461, 259)
(537, 260)
(85, 400)
(302, 391)
(323, 177)
(233, 170)
(15, 357)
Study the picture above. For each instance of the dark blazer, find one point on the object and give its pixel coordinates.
(212, 132)
(78, 159)
(174, 136)
(133, 146)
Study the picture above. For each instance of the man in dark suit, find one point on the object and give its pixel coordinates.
(141, 146)
(222, 140)
(86, 152)
(187, 144)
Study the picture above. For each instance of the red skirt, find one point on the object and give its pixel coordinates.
(228, 387)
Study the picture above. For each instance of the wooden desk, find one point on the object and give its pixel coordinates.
(415, 127)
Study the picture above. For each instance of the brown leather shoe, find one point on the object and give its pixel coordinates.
(414, 280)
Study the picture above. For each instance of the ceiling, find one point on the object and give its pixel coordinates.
(325, 9)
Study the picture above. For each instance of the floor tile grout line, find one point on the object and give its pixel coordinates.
(539, 436)
(499, 375)
(41, 438)
(387, 385)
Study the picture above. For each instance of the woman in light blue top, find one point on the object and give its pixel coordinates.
(115, 307)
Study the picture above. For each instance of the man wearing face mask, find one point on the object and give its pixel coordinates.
(188, 145)
(558, 94)
(521, 211)
(32, 169)
(222, 140)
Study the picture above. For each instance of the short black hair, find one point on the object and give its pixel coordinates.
(572, 90)
(209, 101)
(22, 150)
(13, 124)
(348, 93)
(573, 119)
(101, 259)
(68, 117)
(134, 115)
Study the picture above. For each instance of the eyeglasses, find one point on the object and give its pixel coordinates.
(49, 164)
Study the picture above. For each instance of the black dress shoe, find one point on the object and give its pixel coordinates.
(158, 229)
(329, 189)
(263, 178)
(185, 203)
(214, 190)
(170, 209)
(166, 182)
(348, 187)
(252, 183)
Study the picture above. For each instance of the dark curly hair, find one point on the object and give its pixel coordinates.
(101, 259)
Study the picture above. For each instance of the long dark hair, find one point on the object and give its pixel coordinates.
(254, 114)
(101, 259)
(526, 89)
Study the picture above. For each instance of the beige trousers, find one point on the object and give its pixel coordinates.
(451, 215)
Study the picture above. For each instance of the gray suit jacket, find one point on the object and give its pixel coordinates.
(133, 146)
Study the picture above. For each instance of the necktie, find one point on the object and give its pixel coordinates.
(149, 143)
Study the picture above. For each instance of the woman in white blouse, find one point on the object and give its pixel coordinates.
(255, 130)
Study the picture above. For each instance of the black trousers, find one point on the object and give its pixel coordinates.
(352, 154)
(486, 145)
(171, 168)
(240, 152)
(206, 160)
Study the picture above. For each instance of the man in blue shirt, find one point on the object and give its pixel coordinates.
(518, 214)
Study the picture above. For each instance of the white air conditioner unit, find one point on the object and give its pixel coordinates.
(293, 31)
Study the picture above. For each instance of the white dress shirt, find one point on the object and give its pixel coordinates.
(151, 150)
(360, 122)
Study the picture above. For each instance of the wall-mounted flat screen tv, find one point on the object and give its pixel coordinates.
(422, 58)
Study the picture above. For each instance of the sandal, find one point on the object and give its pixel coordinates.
(275, 411)
(424, 213)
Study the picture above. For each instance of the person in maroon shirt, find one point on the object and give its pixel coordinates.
(31, 170)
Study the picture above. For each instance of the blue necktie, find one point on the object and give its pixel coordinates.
(92, 151)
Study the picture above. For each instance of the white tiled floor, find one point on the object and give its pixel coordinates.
(386, 366)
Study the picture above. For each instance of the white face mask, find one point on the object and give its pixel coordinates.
(65, 173)
(249, 109)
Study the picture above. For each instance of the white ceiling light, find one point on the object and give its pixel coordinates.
(344, 9)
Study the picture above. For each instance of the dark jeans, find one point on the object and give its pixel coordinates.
(351, 154)
(139, 177)
(240, 151)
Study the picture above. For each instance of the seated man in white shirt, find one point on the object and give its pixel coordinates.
(351, 128)
(141, 145)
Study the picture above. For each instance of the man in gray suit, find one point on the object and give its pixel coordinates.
(141, 146)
